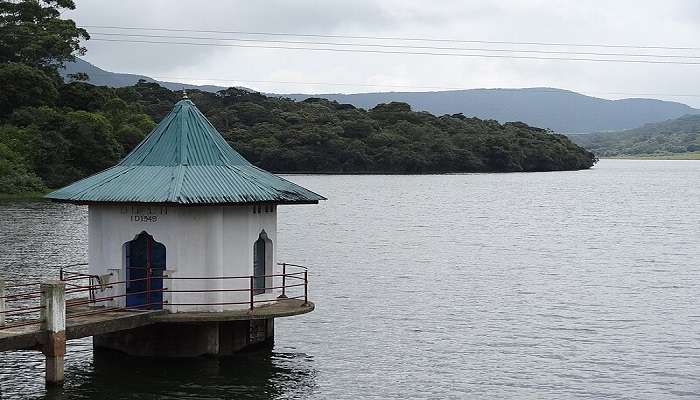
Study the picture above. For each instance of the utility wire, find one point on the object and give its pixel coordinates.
(367, 51)
(395, 46)
(629, 46)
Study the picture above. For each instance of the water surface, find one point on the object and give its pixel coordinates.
(565, 285)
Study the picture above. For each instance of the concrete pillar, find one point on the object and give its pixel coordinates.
(2, 302)
(53, 317)
(190, 339)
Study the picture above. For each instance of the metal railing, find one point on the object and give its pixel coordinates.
(18, 304)
(289, 281)
(293, 286)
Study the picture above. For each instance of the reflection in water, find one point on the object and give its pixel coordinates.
(262, 374)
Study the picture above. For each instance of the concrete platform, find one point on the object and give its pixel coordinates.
(31, 336)
(277, 309)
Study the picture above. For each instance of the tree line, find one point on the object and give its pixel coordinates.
(676, 136)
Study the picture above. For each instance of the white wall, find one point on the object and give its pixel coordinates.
(211, 241)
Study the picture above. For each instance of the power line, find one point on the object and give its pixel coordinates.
(629, 46)
(396, 46)
(451, 88)
(330, 49)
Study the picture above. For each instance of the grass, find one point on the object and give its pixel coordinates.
(695, 155)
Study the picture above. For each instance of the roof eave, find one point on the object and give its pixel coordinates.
(177, 204)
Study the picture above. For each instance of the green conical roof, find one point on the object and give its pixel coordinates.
(184, 160)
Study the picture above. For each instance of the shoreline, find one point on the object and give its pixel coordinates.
(648, 157)
(662, 156)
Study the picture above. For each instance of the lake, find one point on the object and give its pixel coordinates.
(560, 285)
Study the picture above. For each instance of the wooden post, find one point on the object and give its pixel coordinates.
(2, 302)
(53, 322)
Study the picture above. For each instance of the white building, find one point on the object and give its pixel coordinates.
(184, 221)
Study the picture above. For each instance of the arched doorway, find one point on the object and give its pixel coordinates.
(262, 254)
(144, 265)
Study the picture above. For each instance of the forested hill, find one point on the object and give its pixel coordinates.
(317, 135)
(680, 135)
(83, 128)
(560, 110)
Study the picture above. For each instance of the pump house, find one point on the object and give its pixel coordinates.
(185, 224)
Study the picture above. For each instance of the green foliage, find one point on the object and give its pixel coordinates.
(49, 155)
(678, 135)
(15, 176)
(53, 133)
(65, 144)
(317, 135)
(84, 96)
(33, 33)
(92, 145)
(24, 86)
(153, 99)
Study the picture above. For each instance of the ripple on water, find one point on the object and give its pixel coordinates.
(544, 285)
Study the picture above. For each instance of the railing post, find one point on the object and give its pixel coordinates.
(53, 322)
(2, 302)
(252, 291)
(306, 287)
(284, 282)
(91, 292)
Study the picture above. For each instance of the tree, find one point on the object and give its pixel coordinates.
(48, 154)
(24, 86)
(15, 176)
(360, 128)
(34, 34)
(92, 145)
(84, 96)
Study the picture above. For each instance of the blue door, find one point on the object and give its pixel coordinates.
(145, 263)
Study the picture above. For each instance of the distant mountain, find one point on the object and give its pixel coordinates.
(556, 109)
(100, 77)
(678, 135)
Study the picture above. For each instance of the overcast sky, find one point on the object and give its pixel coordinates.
(669, 23)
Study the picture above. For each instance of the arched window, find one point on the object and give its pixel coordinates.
(262, 260)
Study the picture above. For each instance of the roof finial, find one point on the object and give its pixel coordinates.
(184, 94)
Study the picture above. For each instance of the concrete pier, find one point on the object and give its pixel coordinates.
(53, 317)
(190, 339)
(154, 333)
(99, 322)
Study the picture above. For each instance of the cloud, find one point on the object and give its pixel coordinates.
(671, 23)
